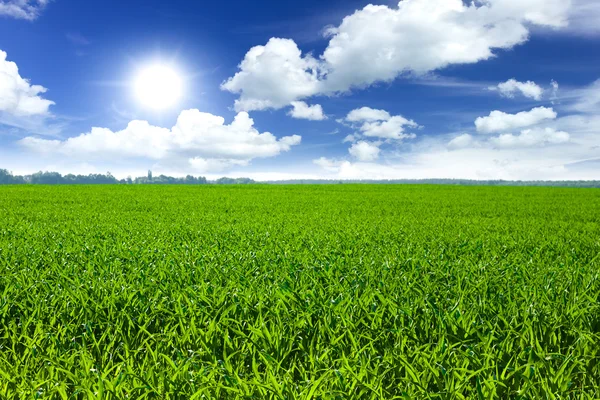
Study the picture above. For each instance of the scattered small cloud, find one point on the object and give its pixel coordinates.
(554, 93)
(367, 114)
(511, 87)
(351, 138)
(499, 121)
(28, 10)
(532, 137)
(380, 124)
(375, 124)
(301, 110)
(365, 151)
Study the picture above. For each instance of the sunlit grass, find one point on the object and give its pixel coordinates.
(342, 291)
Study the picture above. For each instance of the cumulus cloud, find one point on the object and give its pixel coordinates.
(18, 98)
(380, 124)
(274, 75)
(203, 138)
(380, 43)
(532, 137)
(393, 128)
(511, 87)
(367, 114)
(370, 123)
(301, 110)
(22, 9)
(499, 121)
(551, 148)
(535, 154)
(538, 135)
(365, 151)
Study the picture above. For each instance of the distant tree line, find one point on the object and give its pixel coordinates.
(55, 178)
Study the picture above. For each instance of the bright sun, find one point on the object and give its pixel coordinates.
(158, 87)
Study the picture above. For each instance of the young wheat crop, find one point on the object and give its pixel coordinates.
(299, 292)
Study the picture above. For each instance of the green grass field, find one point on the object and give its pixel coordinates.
(299, 292)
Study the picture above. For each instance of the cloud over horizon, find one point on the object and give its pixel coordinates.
(201, 138)
(499, 121)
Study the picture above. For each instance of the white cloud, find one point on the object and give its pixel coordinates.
(551, 148)
(587, 126)
(470, 163)
(433, 160)
(372, 123)
(202, 138)
(365, 151)
(22, 9)
(301, 110)
(18, 98)
(551, 13)
(586, 100)
(380, 124)
(351, 138)
(329, 164)
(554, 94)
(511, 87)
(539, 135)
(532, 137)
(461, 142)
(499, 121)
(380, 43)
(584, 16)
(393, 128)
(367, 114)
(274, 75)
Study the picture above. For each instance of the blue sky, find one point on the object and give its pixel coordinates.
(495, 89)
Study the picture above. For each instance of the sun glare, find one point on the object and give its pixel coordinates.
(158, 87)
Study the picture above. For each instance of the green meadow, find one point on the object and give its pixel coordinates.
(299, 292)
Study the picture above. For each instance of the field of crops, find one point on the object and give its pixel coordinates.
(299, 292)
